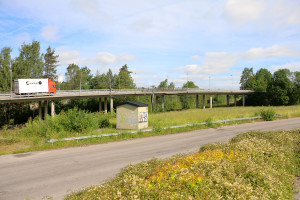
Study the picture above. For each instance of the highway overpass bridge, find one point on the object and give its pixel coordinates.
(110, 94)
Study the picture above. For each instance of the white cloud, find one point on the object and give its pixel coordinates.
(50, 33)
(104, 58)
(295, 66)
(220, 62)
(213, 63)
(243, 11)
(285, 12)
(67, 56)
(274, 51)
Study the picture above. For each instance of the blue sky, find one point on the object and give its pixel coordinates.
(208, 42)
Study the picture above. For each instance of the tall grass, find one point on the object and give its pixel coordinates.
(254, 165)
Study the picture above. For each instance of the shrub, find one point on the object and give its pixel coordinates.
(65, 123)
(268, 114)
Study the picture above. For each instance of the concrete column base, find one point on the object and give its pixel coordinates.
(52, 109)
(105, 105)
(163, 103)
(111, 105)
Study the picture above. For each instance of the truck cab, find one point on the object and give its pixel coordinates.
(51, 86)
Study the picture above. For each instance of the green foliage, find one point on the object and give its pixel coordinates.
(254, 165)
(77, 78)
(247, 79)
(268, 114)
(281, 88)
(163, 85)
(29, 63)
(72, 122)
(50, 63)
(190, 84)
(5, 69)
(125, 79)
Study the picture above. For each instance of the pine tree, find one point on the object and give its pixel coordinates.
(126, 80)
(50, 64)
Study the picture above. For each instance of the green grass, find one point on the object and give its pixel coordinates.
(254, 165)
(16, 141)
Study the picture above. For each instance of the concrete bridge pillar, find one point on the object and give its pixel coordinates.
(111, 105)
(152, 102)
(105, 105)
(227, 97)
(100, 104)
(40, 110)
(243, 100)
(210, 101)
(197, 101)
(45, 108)
(203, 102)
(163, 102)
(156, 102)
(52, 109)
(234, 100)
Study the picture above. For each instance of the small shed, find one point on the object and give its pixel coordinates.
(132, 115)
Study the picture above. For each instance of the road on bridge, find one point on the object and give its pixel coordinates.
(57, 172)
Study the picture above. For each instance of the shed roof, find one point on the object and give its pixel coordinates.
(134, 103)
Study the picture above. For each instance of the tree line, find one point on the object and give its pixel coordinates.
(30, 63)
(280, 88)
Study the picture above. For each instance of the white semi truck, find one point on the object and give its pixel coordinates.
(34, 86)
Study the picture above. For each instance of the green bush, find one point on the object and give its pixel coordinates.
(268, 114)
(66, 123)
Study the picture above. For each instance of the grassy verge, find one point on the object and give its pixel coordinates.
(254, 165)
(32, 139)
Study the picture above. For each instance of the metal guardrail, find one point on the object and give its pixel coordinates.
(152, 129)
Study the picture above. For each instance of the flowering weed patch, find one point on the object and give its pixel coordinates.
(254, 165)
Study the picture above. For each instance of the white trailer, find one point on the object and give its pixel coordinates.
(33, 86)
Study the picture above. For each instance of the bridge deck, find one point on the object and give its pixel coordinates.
(75, 94)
